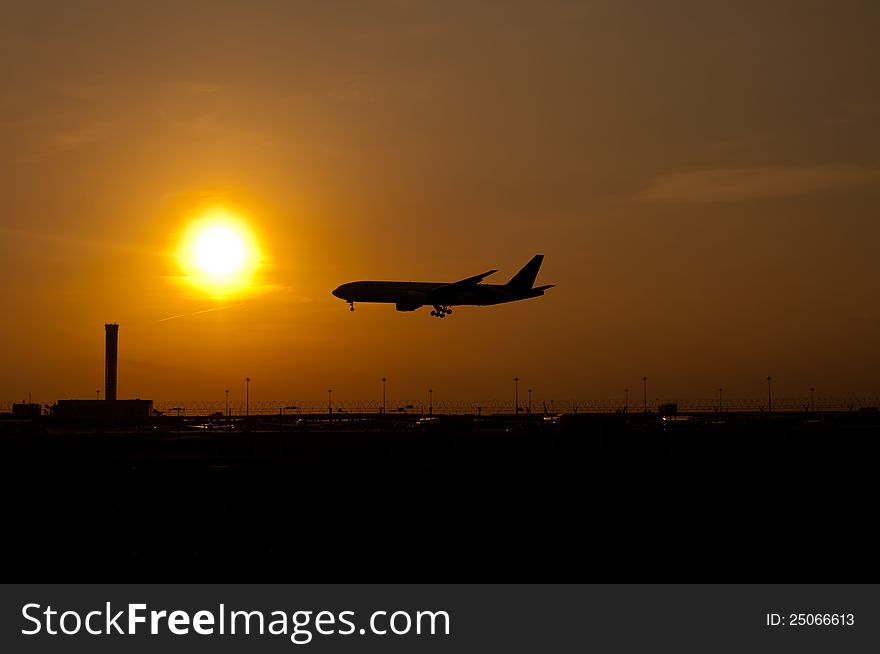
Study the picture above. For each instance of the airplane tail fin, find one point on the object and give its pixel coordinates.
(525, 278)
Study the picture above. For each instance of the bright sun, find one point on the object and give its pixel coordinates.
(219, 253)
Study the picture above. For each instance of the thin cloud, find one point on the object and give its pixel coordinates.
(75, 137)
(52, 143)
(67, 239)
(739, 184)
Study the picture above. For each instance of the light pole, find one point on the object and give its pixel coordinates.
(645, 383)
(383, 395)
(329, 401)
(516, 396)
(529, 409)
(769, 405)
(247, 397)
(812, 400)
(720, 405)
(430, 402)
(227, 402)
(98, 394)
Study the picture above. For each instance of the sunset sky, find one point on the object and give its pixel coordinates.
(703, 179)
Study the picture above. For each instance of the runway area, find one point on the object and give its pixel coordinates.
(729, 498)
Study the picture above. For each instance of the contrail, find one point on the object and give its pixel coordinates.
(195, 313)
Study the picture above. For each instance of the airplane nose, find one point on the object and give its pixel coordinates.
(337, 292)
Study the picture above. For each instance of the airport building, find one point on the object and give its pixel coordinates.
(26, 411)
(102, 408)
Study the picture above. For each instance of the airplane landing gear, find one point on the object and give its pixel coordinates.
(441, 311)
(351, 304)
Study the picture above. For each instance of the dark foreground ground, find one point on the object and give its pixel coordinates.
(788, 498)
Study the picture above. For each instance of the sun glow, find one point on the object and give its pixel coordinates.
(219, 253)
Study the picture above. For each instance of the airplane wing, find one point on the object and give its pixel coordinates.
(460, 284)
(476, 279)
(463, 283)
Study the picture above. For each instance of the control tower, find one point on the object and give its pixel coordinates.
(111, 333)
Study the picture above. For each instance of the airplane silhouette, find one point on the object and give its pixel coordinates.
(409, 296)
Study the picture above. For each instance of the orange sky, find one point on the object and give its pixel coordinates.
(703, 181)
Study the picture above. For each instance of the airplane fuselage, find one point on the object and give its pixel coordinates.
(420, 293)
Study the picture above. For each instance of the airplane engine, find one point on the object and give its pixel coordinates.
(415, 297)
(411, 301)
